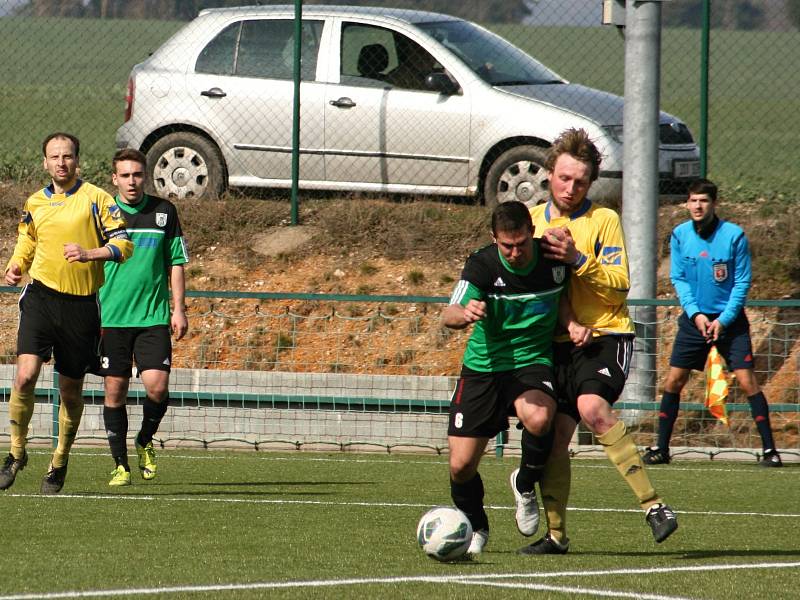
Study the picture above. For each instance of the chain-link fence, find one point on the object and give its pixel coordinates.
(390, 101)
(321, 371)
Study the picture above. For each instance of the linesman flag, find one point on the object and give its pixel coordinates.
(716, 385)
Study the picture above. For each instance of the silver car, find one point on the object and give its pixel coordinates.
(390, 101)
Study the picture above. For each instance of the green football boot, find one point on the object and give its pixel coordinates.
(120, 477)
(147, 460)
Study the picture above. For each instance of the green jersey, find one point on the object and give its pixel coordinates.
(521, 307)
(136, 292)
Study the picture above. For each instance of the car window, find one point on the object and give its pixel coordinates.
(493, 59)
(367, 54)
(375, 56)
(218, 56)
(262, 48)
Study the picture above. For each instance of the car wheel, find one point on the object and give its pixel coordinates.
(517, 174)
(185, 165)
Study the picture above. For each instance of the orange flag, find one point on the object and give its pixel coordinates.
(716, 385)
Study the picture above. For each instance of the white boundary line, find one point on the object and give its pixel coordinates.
(146, 498)
(485, 579)
(595, 593)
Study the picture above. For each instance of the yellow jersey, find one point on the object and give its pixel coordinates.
(85, 215)
(599, 288)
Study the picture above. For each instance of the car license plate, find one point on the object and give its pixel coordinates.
(682, 169)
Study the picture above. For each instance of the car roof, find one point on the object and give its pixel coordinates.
(399, 14)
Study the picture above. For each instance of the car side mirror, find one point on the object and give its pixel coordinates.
(442, 83)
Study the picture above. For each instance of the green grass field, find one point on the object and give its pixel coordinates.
(298, 525)
(753, 89)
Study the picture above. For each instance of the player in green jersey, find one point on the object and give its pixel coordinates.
(136, 316)
(510, 293)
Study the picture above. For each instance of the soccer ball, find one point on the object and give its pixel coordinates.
(444, 533)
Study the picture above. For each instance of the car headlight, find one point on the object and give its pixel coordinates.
(614, 131)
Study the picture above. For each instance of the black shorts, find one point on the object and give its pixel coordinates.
(482, 402)
(150, 347)
(690, 349)
(64, 326)
(600, 368)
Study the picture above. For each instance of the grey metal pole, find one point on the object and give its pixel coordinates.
(640, 181)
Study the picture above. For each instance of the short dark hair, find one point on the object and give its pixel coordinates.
(128, 154)
(511, 216)
(576, 143)
(704, 186)
(60, 135)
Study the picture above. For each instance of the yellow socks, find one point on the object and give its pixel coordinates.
(69, 419)
(555, 485)
(20, 412)
(622, 452)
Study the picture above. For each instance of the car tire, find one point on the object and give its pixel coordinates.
(185, 165)
(517, 174)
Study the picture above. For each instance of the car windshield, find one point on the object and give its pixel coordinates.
(490, 57)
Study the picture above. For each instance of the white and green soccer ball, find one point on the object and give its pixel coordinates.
(444, 533)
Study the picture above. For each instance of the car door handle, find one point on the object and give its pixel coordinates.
(214, 92)
(343, 102)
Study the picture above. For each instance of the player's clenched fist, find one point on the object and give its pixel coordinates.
(74, 253)
(13, 274)
(475, 310)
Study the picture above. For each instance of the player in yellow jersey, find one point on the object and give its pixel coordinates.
(590, 376)
(66, 232)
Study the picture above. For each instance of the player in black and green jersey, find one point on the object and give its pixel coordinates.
(136, 316)
(511, 294)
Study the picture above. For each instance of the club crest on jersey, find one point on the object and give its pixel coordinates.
(115, 213)
(161, 219)
(559, 273)
(720, 272)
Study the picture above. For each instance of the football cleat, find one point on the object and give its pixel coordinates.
(147, 460)
(546, 545)
(479, 540)
(54, 480)
(527, 514)
(120, 477)
(656, 456)
(12, 466)
(662, 521)
(770, 459)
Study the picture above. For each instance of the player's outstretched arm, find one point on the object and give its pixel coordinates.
(76, 253)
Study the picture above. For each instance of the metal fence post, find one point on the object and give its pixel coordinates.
(704, 56)
(298, 32)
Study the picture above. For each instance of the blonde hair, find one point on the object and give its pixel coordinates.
(576, 143)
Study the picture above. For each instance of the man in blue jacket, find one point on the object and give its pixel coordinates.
(710, 270)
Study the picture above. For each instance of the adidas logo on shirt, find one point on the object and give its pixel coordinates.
(604, 371)
(499, 282)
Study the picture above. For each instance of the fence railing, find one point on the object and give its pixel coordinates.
(315, 370)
